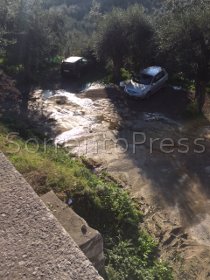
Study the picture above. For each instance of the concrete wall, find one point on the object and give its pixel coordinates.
(88, 239)
(33, 244)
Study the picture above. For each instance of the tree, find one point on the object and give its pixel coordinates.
(111, 39)
(184, 39)
(7, 8)
(140, 36)
(35, 37)
(123, 35)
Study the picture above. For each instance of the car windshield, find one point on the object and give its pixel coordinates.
(144, 79)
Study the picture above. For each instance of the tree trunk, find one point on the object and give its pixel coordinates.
(200, 93)
(117, 66)
(25, 89)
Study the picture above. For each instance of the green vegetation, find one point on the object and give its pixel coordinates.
(185, 43)
(130, 252)
(125, 74)
(128, 34)
(122, 36)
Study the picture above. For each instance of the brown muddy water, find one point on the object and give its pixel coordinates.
(148, 146)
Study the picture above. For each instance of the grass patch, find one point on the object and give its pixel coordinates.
(131, 254)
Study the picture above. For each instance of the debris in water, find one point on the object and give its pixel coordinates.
(157, 117)
(177, 88)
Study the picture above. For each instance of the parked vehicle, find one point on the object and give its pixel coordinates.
(147, 83)
(74, 66)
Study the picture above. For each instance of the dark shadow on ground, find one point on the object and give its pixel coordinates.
(178, 179)
(14, 112)
(54, 81)
(171, 103)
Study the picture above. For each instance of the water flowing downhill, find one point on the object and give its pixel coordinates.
(121, 140)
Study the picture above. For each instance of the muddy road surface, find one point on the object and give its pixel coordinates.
(151, 148)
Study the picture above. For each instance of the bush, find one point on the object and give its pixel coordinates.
(131, 262)
(125, 74)
(108, 208)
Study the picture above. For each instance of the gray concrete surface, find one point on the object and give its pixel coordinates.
(88, 239)
(32, 242)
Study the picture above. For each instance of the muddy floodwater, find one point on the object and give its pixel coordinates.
(148, 146)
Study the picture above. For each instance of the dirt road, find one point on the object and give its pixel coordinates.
(161, 157)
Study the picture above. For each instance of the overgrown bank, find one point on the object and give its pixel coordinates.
(130, 252)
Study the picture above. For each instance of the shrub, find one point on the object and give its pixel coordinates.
(125, 74)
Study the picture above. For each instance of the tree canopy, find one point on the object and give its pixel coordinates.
(128, 33)
(184, 40)
(122, 36)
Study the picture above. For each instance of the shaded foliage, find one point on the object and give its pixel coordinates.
(122, 36)
(184, 43)
(36, 35)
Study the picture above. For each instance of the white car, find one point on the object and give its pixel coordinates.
(150, 81)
